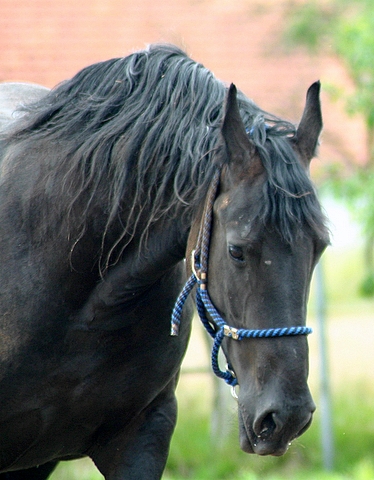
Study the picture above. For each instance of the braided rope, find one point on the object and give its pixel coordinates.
(178, 307)
(204, 305)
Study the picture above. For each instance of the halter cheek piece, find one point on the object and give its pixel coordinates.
(216, 325)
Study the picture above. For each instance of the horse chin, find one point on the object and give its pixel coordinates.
(262, 447)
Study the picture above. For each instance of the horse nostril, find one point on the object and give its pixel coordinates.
(267, 424)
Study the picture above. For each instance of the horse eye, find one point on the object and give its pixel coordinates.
(236, 253)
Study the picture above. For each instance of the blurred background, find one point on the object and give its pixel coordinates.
(272, 50)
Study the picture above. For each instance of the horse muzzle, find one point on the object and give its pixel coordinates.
(271, 431)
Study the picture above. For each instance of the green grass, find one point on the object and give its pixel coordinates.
(363, 470)
(76, 470)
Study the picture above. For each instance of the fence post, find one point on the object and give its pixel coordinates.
(221, 414)
(325, 396)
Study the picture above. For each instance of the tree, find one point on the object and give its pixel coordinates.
(349, 28)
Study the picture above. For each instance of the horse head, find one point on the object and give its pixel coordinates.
(267, 234)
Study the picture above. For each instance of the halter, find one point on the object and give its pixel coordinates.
(217, 327)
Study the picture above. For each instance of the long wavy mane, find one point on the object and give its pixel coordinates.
(139, 134)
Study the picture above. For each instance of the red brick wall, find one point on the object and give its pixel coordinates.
(46, 41)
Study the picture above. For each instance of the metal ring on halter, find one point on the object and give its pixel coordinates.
(200, 276)
(233, 388)
(233, 392)
(193, 264)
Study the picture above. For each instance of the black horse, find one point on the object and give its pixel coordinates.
(103, 180)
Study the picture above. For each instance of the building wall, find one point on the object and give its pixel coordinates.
(46, 41)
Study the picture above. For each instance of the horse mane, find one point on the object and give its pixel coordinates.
(140, 134)
(289, 201)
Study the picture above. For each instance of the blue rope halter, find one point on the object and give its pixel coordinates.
(217, 327)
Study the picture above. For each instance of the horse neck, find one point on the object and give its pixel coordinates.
(143, 264)
(165, 243)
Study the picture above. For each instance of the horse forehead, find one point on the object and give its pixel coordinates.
(238, 203)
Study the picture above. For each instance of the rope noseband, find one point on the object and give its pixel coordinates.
(217, 327)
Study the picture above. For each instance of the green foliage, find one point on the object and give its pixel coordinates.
(309, 24)
(356, 190)
(349, 28)
(344, 270)
(354, 43)
(367, 285)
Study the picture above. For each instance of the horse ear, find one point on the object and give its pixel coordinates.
(310, 125)
(239, 148)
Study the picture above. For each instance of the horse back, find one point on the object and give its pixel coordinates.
(14, 95)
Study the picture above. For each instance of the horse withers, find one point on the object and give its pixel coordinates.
(102, 196)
